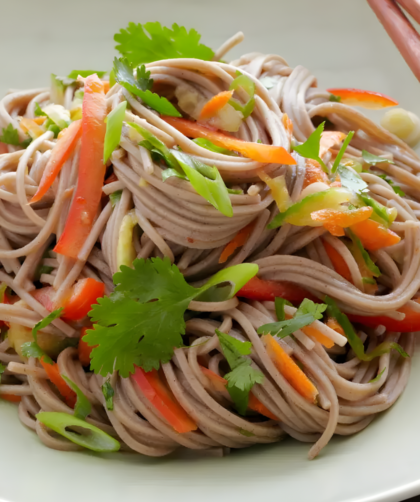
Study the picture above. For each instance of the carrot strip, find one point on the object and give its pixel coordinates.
(338, 262)
(86, 202)
(318, 336)
(331, 218)
(255, 404)
(216, 103)
(333, 324)
(239, 240)
(314, 173)
(366, 99)
(289, 369)
(256, 151)
(54, 375)
(374, 236)
(60, 153)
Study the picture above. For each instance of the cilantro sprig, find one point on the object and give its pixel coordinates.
(306, 314)
(10, 136)
(142, 321)
(242, 376)
(371, 159)
(310, 149)
(145, 43)
(141, 85)
(108, 393)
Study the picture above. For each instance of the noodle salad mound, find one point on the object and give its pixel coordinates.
(204, 254)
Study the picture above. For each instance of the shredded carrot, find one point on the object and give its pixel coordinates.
(334, 221)
(289, 369)
(30, 125)
(106, 86)
(338, 262)
(314, 173)
(333, 324)
(256, 405)
(215, 104)
(288, 125)
(11, 398)
(39, 120)
(374, 236)
(318, 336)
(239, 240)
(54, 375)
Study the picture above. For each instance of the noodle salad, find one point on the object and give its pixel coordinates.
(204, 254)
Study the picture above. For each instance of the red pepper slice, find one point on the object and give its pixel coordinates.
(263, 290)
(366, 99)
(87, 199)
(54, 375)
(84, 349)
(411, 322)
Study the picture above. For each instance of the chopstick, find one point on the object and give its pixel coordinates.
(399, 28)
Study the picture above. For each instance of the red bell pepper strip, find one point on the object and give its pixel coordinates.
(255, 151)
(158, 393)
(263, 290)
(54, 375)
(3, 148)
(365, 99)
(411, 321)
(60, 153)
(78, 303)
(11, 398)
(87, 199)
(338, 262)
(84, 349)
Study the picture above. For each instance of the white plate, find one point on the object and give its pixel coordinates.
(341, 41)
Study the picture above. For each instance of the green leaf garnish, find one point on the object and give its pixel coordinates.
(83, 407)
(108, 393)
(114, 197)
(355, 343)
(371, 159)
(87, 435)
(366, 257)
(85, 73)
(125, 77)
(114, 123)
(242, 377)
(55, 314)
(342, 150)
(351, 180)
(39, 112)
(143, 320)
(153, 42)
(10, 136)
(395, 187)
(310, 149)
(334, 99)
(306, 314)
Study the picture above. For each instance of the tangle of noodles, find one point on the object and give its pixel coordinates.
(178, 223)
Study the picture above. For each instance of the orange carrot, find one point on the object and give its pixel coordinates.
(3, 148)
(11, 398)
(318, 336)
(333, 324)
(255, 404)
(374, 236)
(239, 240)
(39, 120)
(256, 151)
(330, 139)
(289, 369)
(32, 127)
(54, 375)
(60, 153)
(338, 262)
(288, 125)
(314, 173)
(216, 103)
(366, 99)
(335, 221)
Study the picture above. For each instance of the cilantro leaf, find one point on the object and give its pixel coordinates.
(83, 407)
(310, 149)
(351, 180)
(114, 123)
(342, 150)
(371, 159)
(39, 112)
(334, 99)
(124, 76)
(143, 78)
(355, 343)
(242, 377)
(153, 42)
(108, 393)
(395, 187)
(366, 257)
(85, 73)
(143, 320)
(46, 321)
(10, 136)
(306, 314)
(114, 197)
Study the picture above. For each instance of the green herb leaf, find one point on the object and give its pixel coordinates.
(395, 187)
(342, 150)
(242, 377)
(10, 136)
(108, 393)
(83, 407)
(85, 73)
(124, 76)
(378, 377)
(355, 343)
(153, 42)
(55, 314)
(115, 197)
(32, 349)
(38, 111)
(207, 181)
(371, 159)
(334, 99)
(244, 82)
(114, 123)
(310, 149)
(351, 180)
(208, 145)
(306, 314)
(143, 79)
(366, 257)
(94, 439)
(131, 329)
